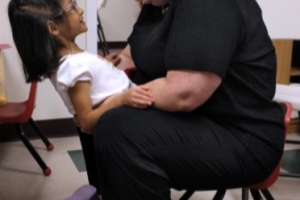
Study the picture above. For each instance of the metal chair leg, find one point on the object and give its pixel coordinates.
(49, 145)
(219, 195)
(102, 37)
(36, 156)
(187, 195)
(267, 194)
(255, 194)
(245, 193)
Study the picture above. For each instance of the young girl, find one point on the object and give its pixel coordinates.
(44, 33)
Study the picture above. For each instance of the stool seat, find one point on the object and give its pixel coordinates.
(85, 192)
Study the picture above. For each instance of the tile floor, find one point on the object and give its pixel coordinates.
(22, 179)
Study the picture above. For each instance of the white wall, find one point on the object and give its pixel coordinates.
(282, 18)
(117, 18)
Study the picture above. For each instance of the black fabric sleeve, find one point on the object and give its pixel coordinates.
(204, 35)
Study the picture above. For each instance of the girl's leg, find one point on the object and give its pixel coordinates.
(144, 153)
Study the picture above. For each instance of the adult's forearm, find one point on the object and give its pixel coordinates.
(183, 90)
(167, 96)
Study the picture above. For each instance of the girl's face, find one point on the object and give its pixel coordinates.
(154, 2)
(74, 23)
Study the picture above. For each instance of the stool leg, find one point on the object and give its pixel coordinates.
(267, 194)
(102, 37)
(187, 195)
(255, 194)
(245, 193)
(32, 151)
(41, 135)
(219, 195)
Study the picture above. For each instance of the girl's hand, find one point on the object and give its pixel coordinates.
(138, 97)
(113, 58)
(76, 121)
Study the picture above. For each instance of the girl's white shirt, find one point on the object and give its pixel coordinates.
(105, 79)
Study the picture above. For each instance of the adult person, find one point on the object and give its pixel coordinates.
(210, 66)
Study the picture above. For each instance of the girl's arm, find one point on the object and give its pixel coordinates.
(138, 97)
(183, 90)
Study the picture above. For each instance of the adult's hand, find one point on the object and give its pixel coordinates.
(114, 58)
(126, 59)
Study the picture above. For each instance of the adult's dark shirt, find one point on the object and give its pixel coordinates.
(225, 37)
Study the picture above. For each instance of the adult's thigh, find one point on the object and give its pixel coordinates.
(187, 150)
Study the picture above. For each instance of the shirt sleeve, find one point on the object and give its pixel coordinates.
(204, 35)
(72, 71)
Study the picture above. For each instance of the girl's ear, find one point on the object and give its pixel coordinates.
(52, 28)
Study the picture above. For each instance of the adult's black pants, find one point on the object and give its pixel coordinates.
(142, 153)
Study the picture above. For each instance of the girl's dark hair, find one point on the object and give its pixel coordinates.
(37, 48)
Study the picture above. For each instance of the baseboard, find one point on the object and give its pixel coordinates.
(114, 45)
(51, 128)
